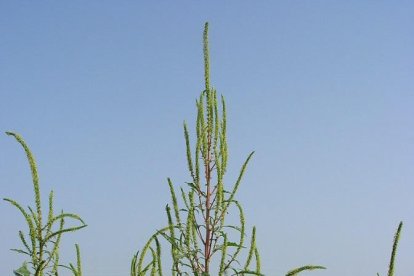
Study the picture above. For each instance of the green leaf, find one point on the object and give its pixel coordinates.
(20, 251)
(296, 271)
(22, 271)
(232, 244)
(250, 272)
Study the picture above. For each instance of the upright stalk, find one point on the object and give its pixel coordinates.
(204, 234)
(394, 249)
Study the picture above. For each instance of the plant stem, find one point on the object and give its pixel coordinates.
(207, 248)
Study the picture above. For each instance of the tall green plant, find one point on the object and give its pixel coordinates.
(197, 230)
(43, 239)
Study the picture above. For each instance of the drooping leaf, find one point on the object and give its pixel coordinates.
(296, 271)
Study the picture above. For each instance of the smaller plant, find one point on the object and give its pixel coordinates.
(42, 245)
(394, 250)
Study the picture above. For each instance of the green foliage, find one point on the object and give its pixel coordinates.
(197, 230)
(42, 244)
(22, 271)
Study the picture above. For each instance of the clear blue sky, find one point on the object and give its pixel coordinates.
(323, 91)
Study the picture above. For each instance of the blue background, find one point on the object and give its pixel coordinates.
(323, 91)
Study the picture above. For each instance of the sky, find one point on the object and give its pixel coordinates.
(322, 91)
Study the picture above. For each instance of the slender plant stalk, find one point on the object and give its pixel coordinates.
(394, 250)
(203, 232)
(197, 231)
(76, 270)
